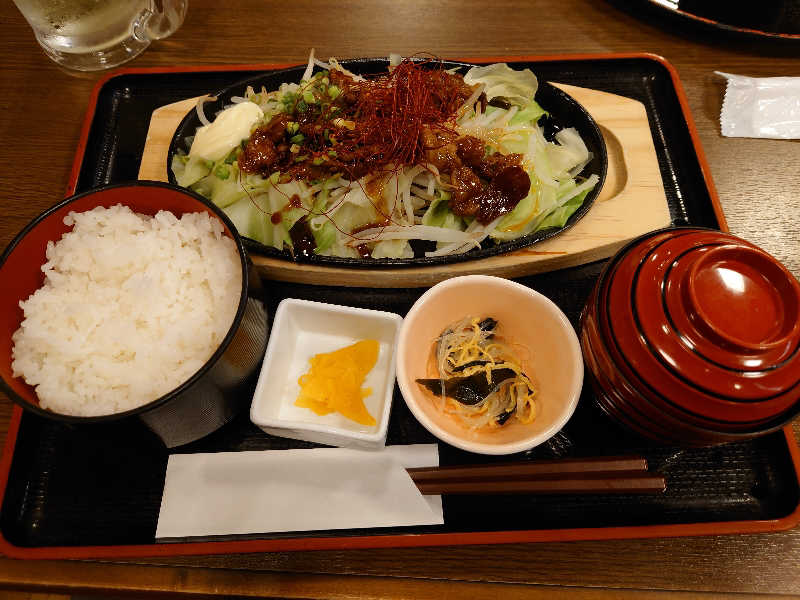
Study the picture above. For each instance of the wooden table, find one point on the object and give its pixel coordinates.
(757, 180)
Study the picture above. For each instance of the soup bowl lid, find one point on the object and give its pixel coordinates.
(708, 321)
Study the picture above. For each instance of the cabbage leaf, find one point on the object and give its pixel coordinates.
(517, 87)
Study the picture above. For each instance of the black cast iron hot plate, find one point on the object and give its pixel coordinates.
(563, 111)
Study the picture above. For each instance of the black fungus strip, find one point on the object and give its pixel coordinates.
(468, 390)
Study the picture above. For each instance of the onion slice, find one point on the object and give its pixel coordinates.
(309, 67)
(408, 232)
(199, 108)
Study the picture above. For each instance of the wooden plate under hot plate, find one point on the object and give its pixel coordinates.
(632, 202)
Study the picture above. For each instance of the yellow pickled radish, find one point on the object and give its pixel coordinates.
(333, 382)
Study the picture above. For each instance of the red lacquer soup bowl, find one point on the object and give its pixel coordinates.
(704, 329)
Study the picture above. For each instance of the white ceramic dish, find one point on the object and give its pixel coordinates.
(300, 330)
(531, 321)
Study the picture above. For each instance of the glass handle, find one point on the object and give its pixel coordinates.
(161, 19)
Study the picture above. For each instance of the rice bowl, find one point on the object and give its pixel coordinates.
(219, 384)
(126, 294)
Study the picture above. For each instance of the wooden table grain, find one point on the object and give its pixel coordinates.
(41, 110)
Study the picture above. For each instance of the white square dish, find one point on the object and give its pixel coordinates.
(300, 330)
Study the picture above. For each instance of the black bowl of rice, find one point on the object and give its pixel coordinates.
(134, 299)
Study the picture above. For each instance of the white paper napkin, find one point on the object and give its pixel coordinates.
(234, 493)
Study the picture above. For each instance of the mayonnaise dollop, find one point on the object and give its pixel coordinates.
(214, 142)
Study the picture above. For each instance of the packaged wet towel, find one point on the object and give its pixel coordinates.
(761, 107)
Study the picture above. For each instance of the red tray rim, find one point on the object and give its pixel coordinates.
(395, 540)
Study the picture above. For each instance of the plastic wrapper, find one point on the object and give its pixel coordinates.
(761, 107)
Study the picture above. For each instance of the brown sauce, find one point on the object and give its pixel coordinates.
(260, 155)
(302, 238)
(502, 194)
(371, 226)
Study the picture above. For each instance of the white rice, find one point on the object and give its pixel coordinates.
(131, 307)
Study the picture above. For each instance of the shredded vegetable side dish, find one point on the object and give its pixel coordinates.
(480, 379)
(343, 165)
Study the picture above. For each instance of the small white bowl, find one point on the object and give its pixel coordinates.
(530, 320)
(300, 330)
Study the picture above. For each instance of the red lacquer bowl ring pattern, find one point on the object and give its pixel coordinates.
(693, 336)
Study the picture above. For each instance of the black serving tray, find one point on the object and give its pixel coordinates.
(84, 491)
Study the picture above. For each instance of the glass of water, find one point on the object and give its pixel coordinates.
(90, 35)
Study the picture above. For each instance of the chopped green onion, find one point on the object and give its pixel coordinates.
(297, 139)
(232, 155)
(334, 91)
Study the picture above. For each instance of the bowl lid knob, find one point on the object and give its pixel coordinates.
(739, 297)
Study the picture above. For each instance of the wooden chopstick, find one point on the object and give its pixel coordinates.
(611, 483)
(530, 468)
(600, 475)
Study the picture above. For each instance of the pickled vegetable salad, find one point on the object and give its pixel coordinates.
(379, 213)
